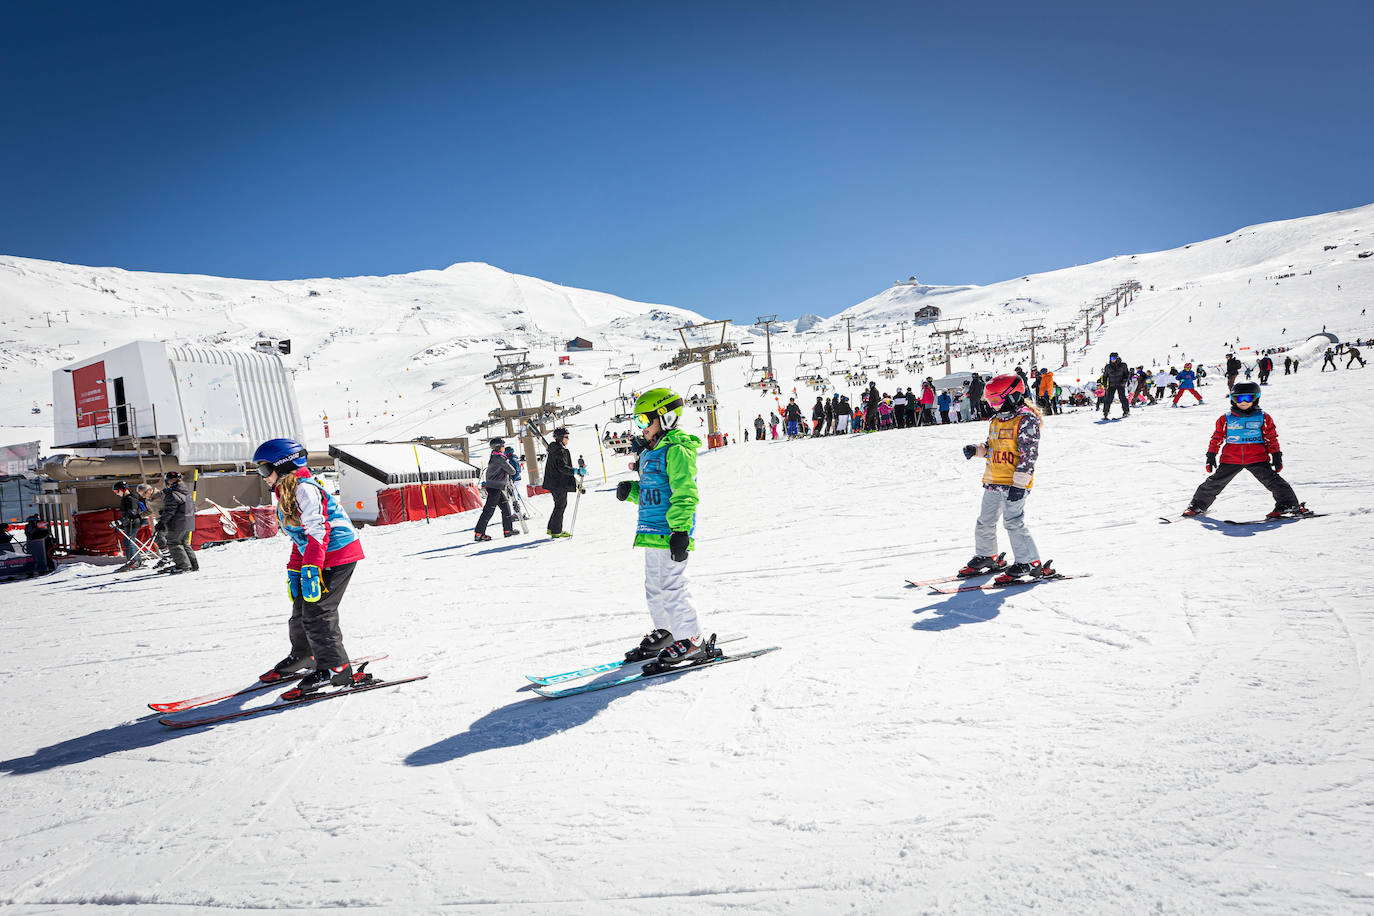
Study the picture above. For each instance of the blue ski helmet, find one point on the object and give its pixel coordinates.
(279, 455)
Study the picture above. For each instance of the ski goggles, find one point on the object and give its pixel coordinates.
(1243, 398)
(642, 420)
(266, 470)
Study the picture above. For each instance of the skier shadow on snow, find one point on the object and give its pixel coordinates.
(130, 736)
(521, 722)
(963, 608)
(1239, 531)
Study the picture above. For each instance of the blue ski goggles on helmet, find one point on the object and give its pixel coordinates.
(1243, 398)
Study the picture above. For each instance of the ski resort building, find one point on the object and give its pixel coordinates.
(388, 482)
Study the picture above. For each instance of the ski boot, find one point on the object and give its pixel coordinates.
(1297, 511)
(1019, 573)
(481, 537)
(339, 676)
(684, 652)
(981, 566)
(289, 667)
(511, 534)
(649, 646)
(1192, 511)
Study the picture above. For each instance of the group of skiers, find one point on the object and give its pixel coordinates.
(325, 547)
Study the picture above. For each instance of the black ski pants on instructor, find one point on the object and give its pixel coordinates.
(314, 625)
(560, 503)
(1211, 487)
(1120, 392)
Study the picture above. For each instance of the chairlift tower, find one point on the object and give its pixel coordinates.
(1087, 314)
(1063, 331)
(767, 322)
(520, 386)
(703, 353)
(1032, 328)
(947, 334)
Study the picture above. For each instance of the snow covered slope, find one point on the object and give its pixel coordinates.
(1189, 731)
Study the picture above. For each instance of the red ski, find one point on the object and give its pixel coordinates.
(279, 705)
(1001, 565)
(993, 586)
(193, 702)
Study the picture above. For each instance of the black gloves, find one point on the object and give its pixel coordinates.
(1015, 494)
(677, 545)
(970, 451)
(1276, 460)
(1211, 462)
(622, 490)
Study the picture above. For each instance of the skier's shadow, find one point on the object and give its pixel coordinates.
(962, 608)
(1235, 531)
(130, 736)
(521, 722)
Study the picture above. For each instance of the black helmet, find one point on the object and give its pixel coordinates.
(560, 432)
(120, 485)
(172, 476)
(1246, 388)
(497, 442)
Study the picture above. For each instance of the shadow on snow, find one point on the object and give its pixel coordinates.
(963, 608)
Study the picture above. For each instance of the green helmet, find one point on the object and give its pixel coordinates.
(658, 402)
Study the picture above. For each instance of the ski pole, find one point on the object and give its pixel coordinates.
(604, 478)
(577, 501)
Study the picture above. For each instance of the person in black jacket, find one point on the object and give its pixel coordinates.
(560, 479)
(131, 517)
(830, 415)
(1266, 366)
(1233, 368)
(1116, 375)
(871, 408)
(39, 540)
(818, 418)
(977, 409)
(178, 522)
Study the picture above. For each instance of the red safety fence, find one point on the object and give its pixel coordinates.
(94, 536)
(407, 504)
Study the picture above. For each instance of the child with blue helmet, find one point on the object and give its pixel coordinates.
(324, 551)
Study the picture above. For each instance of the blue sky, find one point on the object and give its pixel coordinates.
(733, 158)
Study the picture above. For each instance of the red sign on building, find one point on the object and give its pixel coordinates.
(92, 402)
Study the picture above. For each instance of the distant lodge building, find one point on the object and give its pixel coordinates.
(578, 344)
(927, 313)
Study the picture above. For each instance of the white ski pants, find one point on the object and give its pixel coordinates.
(1013, 515)
(666, 592)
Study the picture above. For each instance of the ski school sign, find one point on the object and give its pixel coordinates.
(92, 400)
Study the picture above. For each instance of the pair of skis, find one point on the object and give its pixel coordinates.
(1307, 513)
(175, 706)
(936, 585)
(712, 656)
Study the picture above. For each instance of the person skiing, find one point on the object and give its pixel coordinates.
(758, 427)
(843, 413)
(944, 401)
(666, 494)
(1044, 390)
(178, 523)
(500, 472)
(559, 479)
(1354, 355)
(1251, 443)
(773, 422)
(1330, 360)
(1011, 449)
(1265, 366)
(871, 408)
(1187, 381)
(1116, 375)
(325, 550)
(830, 405)
(818, 418)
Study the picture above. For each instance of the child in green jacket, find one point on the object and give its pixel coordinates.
(666, 494)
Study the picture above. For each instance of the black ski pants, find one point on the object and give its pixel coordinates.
(314, 625)
(495, 499)
(179, 546)
(1107, 400)
(1211, 488)
(1330, 361)
(560, 503)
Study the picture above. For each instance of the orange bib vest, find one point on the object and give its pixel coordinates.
(1003, 454)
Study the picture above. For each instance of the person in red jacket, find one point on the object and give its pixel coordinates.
(1251, 444)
